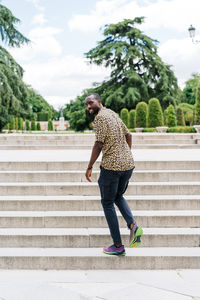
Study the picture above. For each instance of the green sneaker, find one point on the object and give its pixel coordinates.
(135, 237)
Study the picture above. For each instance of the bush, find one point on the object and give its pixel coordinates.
(197, 106)
(155, 114)
(132, 118)
(33, 128)
(141, 114)
(50, 125)
(124, 116)
(149, 130)
(171, 116)
(182, 129)
(27, 125)
(12, 124)
(20, 124)
(38, 127)
(180, 117)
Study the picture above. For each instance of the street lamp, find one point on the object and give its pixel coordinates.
(191, 30)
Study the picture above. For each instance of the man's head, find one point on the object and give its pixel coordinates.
(93, 103)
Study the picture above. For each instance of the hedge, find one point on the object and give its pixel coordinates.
(132, 118)
(155, 114)
(182, 129)
(124, 116)
(141, 114)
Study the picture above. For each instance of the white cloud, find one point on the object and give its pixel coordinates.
(43, 43)
(37, 4)
(62, 79)
(183, 55)
(175, 14)
(39, 19)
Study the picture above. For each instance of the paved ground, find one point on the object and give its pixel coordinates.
(96, 285)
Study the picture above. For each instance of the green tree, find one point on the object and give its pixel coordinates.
(155, 114)
(13, 92)
(171, 116)
(138, 73)
(180, 117)
(189, 92)
(141, 114)
(124, 115)
(132, 118)
(197, 106)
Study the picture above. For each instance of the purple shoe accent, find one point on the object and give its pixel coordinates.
(112, 250)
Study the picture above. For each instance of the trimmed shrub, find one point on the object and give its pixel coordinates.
(12, 124)
(171, 116)
(27, 125)
(182, 129)
(20, 124)
(141, 114)
(38, 127)
(124, 116)
(180, 117)
(50, 125)
(132, 118)
(33, 128)
(149, 130)
(155, 114)
(197, 106)
(189, 117)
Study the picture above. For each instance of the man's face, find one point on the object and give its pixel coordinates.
(93, 105)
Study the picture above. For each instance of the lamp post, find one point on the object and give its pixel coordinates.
(192, 30)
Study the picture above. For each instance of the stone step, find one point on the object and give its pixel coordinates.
(93, 258)
(71, 165)
(74, 176)
(90, 136)
(92, 203)
(91, 189)
(89, 146)
(95, 237)
(96, 219)
(89, 142)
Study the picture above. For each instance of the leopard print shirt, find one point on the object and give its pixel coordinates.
(111, 131)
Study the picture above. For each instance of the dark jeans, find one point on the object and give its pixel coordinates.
(113, 185)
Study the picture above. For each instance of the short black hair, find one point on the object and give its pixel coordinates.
(96, 96)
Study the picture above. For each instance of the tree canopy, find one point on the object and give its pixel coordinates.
(13, 92)
(189, 92)
(137, 71)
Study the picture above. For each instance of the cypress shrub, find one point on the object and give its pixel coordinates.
(16, 123)
(38, 127)
(12, 124)
(155, 114)
(197, 106)
(27, 125)
(171, 116)
(124, 115)
(50, 125)
(141, 114)
(20, 124)
(180, 117)
(132, 118)
(33, 128)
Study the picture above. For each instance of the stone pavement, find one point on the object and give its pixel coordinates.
(100, 285)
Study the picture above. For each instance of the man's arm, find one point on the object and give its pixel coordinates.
(96, 150)
(129, 139)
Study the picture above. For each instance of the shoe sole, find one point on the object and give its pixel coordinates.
(115, 253)
(137, 238)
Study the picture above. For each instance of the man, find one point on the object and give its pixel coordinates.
(115, 141)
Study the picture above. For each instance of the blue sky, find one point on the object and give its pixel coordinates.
(62, 31)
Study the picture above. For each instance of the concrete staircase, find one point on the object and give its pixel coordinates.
(85, 141)
(51, 218)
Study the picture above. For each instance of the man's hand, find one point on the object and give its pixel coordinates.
(88, 175)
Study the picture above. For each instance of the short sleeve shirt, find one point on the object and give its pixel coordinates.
(111, 131)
